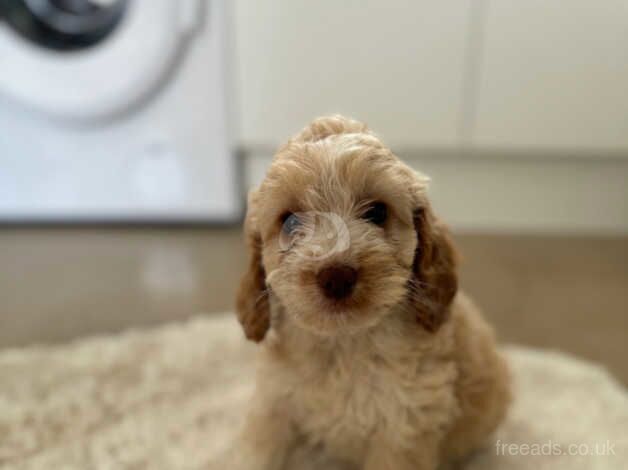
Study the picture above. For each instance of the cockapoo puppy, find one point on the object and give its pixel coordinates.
(369, 352)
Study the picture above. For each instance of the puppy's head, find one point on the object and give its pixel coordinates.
(340, 231)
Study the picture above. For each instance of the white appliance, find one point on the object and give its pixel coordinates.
(115, 110)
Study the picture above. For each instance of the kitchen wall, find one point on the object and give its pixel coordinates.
(517, 110)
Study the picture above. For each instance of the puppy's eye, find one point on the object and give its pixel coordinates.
(377, 213)
(290, 223)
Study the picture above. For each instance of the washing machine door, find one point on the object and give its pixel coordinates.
(91, 59)
(116, 111)
(64, 25)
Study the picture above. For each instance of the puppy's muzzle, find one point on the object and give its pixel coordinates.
(337, 281)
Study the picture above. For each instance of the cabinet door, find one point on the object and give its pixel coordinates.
(554, 74)
(396, 64)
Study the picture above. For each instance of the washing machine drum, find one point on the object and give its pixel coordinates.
(64, 25)
(89, 59)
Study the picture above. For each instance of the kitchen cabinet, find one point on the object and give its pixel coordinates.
(553, 75)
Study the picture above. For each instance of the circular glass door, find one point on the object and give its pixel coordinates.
(63, 25)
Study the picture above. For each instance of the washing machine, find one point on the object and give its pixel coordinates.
(116, 111)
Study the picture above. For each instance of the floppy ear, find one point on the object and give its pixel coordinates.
(435, 279)
(252, 303)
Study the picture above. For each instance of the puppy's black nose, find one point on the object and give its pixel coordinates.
(337, 281)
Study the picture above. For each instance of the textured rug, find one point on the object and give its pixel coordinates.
(172, 398)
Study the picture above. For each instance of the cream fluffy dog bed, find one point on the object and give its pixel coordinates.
(172, 398)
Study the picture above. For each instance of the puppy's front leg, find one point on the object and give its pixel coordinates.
(386, 455)
(264, 444)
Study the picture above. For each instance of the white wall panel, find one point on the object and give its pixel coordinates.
(489, 193)
(396, 64)
(554, 74)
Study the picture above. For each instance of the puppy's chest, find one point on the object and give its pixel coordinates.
(344, 398)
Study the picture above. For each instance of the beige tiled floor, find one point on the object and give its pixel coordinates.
(58, 284)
